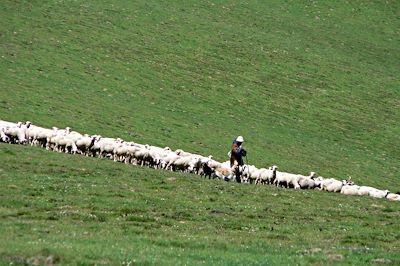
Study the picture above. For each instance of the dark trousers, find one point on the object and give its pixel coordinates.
(237, 174)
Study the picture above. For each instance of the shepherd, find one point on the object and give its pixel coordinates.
(236, 156)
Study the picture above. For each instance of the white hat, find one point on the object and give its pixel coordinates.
(240, 139)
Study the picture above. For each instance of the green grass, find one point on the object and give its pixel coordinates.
(312, 86)
(93, 211)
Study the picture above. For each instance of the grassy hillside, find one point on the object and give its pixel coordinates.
(96, 212)
(312, 86)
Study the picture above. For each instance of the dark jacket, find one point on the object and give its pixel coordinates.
(237, 153)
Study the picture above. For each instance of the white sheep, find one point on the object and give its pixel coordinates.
(285, 179)
(393, 197)
(378, 193)
(6, 124)
(364, 190)
(250, 173)
(184, 163)
(142, 155)
(63, 143)
(350, 190)
(170, 159)
(16, 133)
(3, 135)
(103, 147)
(307, 182)
(332, 184)
(85, 143)
(267, 176)
(39, 136)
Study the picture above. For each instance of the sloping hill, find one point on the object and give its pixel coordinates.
(311, 86)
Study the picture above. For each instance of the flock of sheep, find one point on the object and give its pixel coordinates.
(67, 141)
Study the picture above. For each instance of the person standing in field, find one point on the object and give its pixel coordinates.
(236, 156)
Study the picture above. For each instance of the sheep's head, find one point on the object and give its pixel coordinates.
(349, 181)
(313, 175)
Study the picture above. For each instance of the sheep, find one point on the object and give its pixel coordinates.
(250, 173)
(3, 135)
(16, 133)
(378, 193)
(85, 143)
(63, 144)
(107, 148)
(285, 179)
(184, 163)
(373, 192)
(142, 155)
(182, 152)
(350, 189)
(393, 196)
(131, 149)
(6, 124)
(333, 185)
(39, 136)
(364, 190)
(103, 146)
(170, 160)
(267, 175)
(208, 168)
(226, 174)
(65, 140)
(307, 182)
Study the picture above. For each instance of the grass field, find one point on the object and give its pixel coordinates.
(312, 86)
